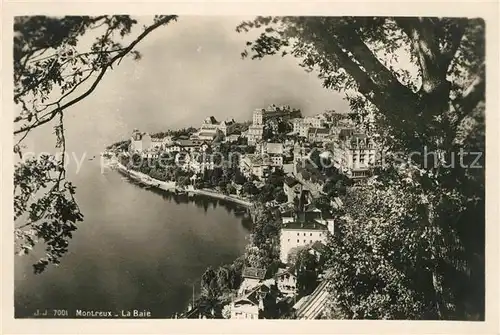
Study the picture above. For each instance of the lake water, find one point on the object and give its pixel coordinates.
(136, 249)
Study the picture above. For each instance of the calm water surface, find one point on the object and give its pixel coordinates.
(136, 249)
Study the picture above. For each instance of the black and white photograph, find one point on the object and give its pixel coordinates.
(249, 167)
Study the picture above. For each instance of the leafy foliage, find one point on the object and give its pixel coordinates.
(52, 72)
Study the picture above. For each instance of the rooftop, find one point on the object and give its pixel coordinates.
(255, 159)
(304, 225)
(319, 130)
(290, 270)
(274, 148)
(211, 120)
(187, 143)
(227, 122)
(253, 296)
(205, 133)
(346, 132)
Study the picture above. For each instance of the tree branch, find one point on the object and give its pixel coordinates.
(453, 43)
(120, 55)
(472, 96)
(379, 73)
(423, 35)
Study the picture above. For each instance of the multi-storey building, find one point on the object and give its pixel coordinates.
(286, 280)
(300, 127)
(140, 141)
(210, 127)
(254, 165)
(254, 134)
(273, 153)
(305, 229)
(299, 234)
(314, 121)
(318, 134)
(355, 155)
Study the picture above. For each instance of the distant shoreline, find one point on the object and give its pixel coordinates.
(171, 186)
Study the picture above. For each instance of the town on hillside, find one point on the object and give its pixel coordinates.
(292, 171)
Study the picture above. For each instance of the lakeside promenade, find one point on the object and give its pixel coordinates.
(172, 187)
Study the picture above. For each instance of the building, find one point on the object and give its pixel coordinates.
(200, 162)
(292, 188)
(300, 127)
(261, 115)
(209, 126)
(318, 135)
(206, 135)
(314, 121)
(273, 153)
(299, 234)
(140, 141)
(355, 155)
(343, 133)
(254, 134)
(251, 277)
(227, 126)
(232, 138)
(254, 165)
(307, 228)
(286, 280)
(189, 145)
(288, 216)
(251, 305)
(157, 143)
(172, 147)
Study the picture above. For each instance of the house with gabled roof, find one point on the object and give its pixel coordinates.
(250, 305)
(252, 277)
(286, 280)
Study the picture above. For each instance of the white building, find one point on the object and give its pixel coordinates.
(355, 156)
(254, 165)
(300, 127)
(273, 153)
(249, 305)
(286, 280)
(232, 138)
(140, 141)
(314, 121)
(309, 227)
(260, 115)
(318, 134)
(254, 134)
(227, 126)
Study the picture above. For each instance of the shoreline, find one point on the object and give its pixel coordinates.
(171, 186)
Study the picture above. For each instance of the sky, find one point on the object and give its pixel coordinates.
(189, 70)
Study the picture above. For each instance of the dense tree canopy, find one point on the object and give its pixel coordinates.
(416, 85)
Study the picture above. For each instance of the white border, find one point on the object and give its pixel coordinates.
(487, 10)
